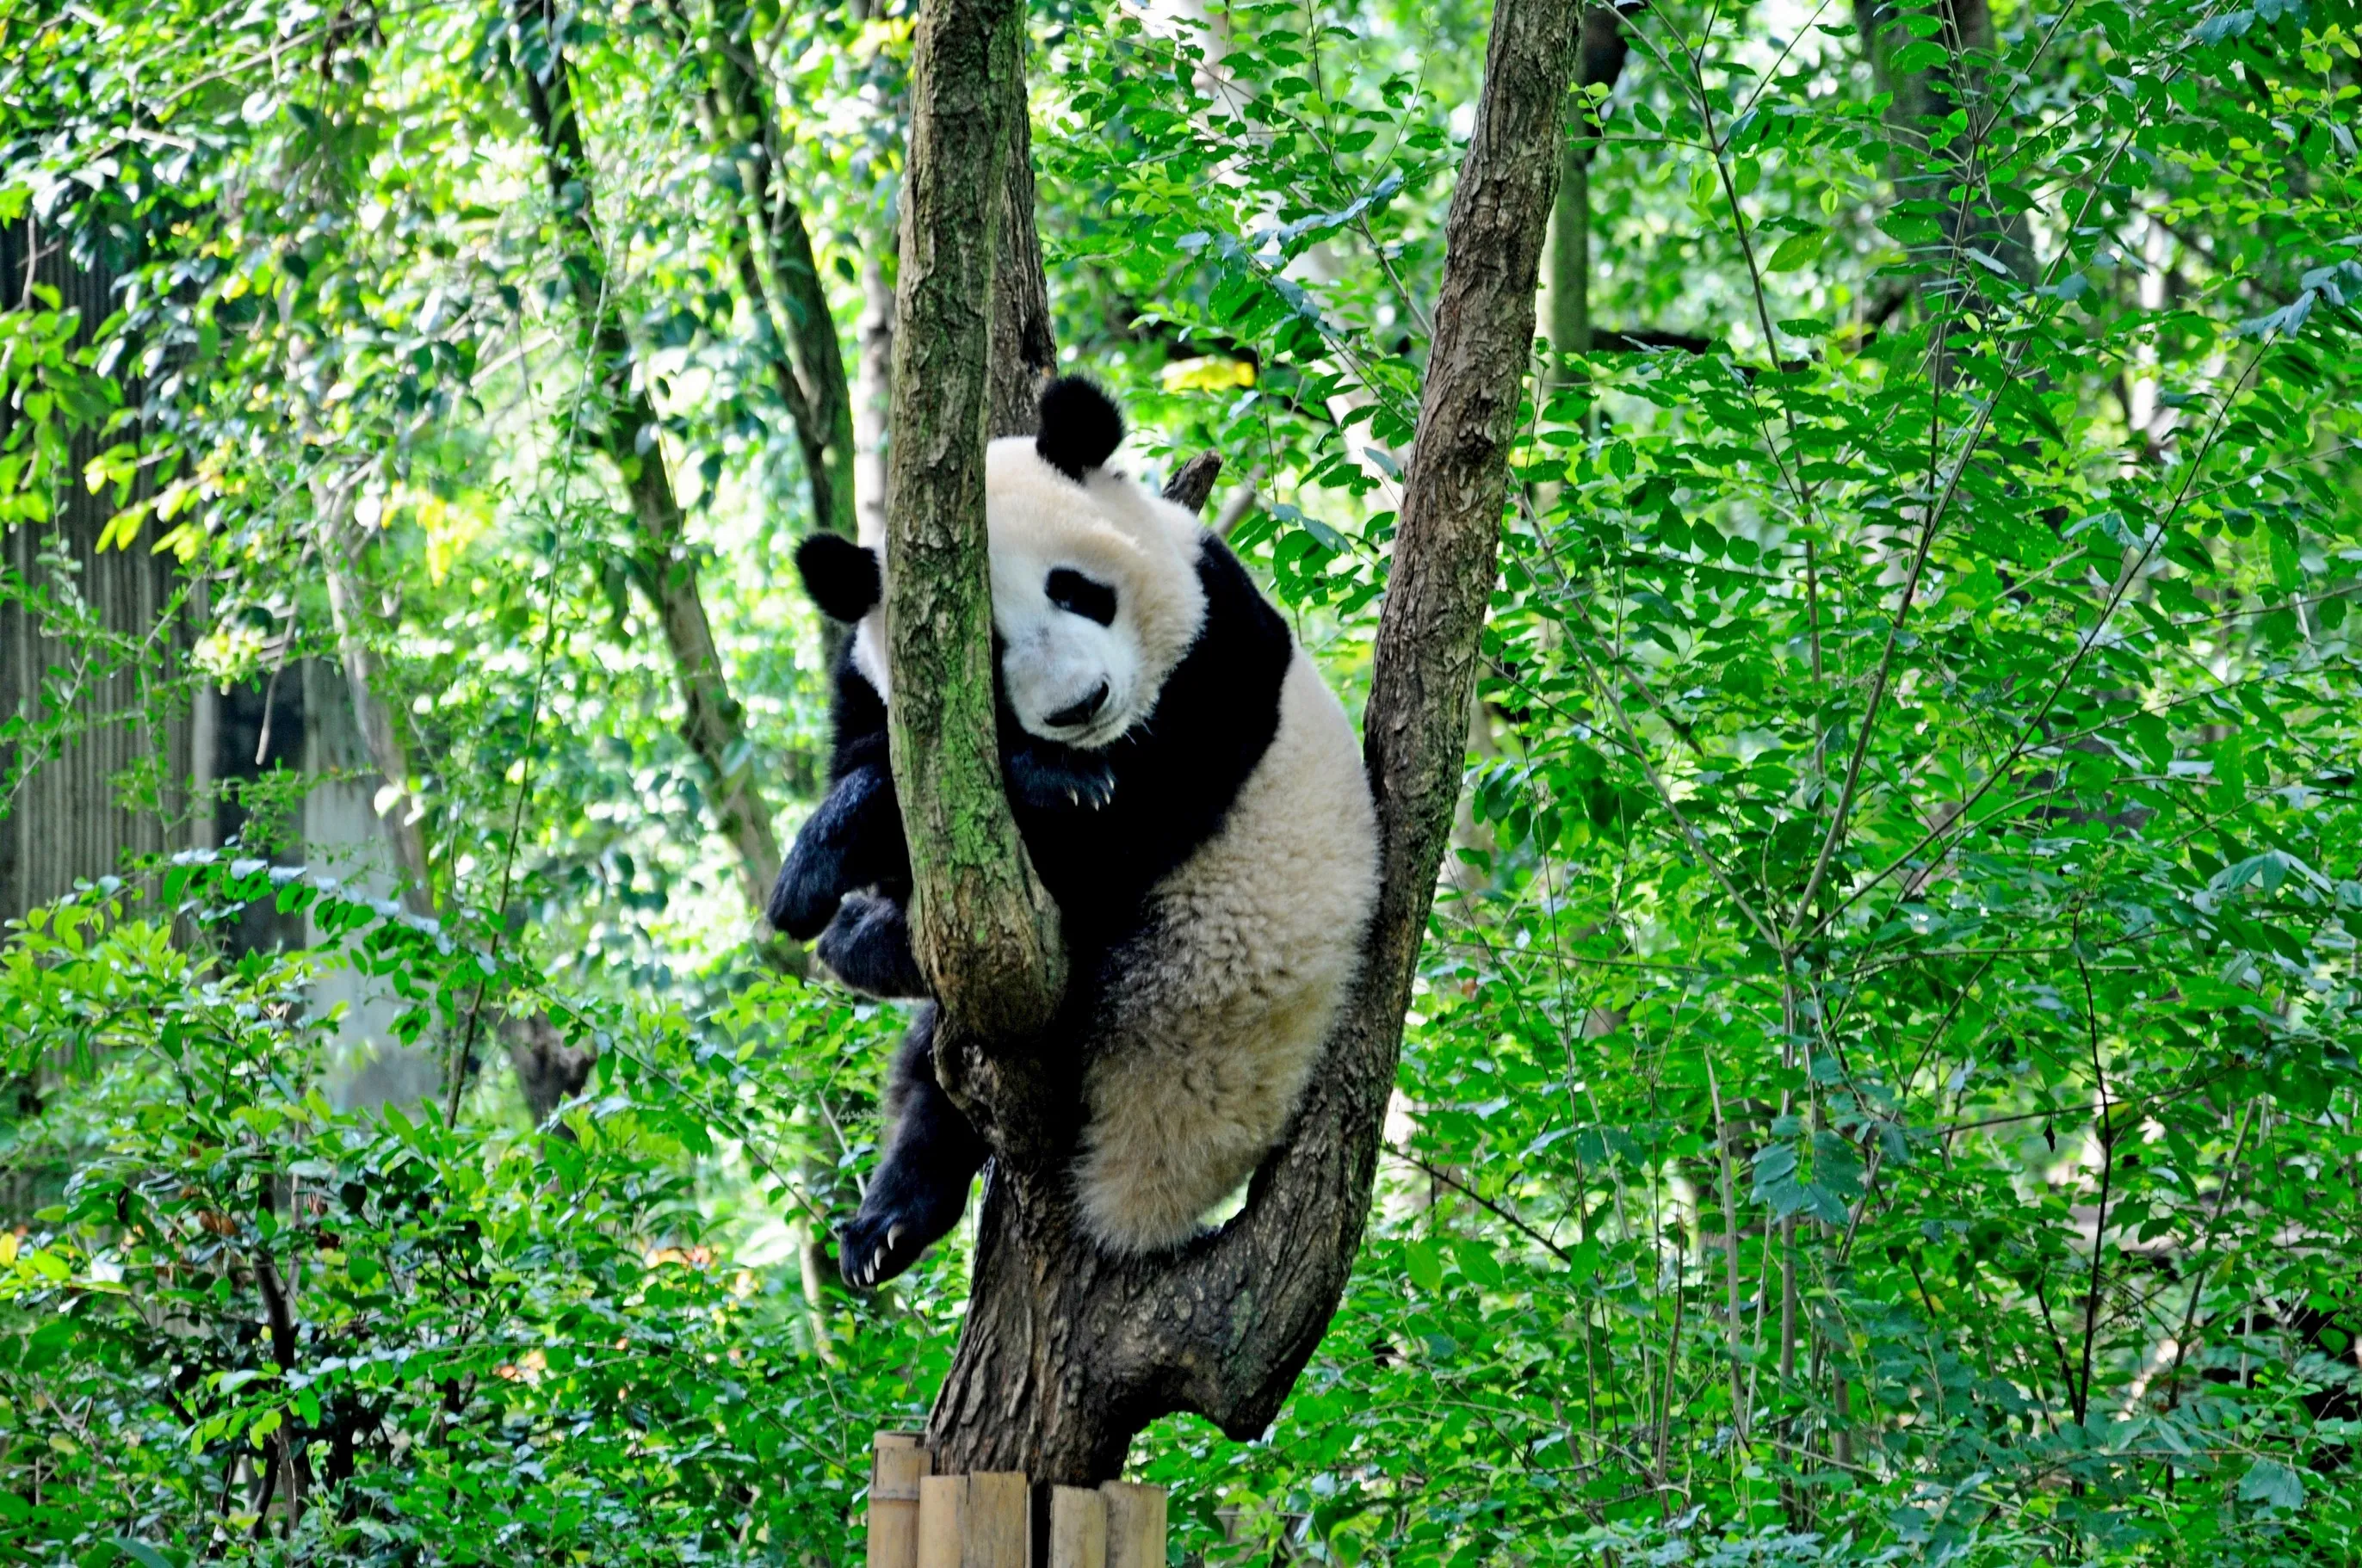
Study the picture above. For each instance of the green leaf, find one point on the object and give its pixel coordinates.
(2275, 1484)
(1797, 251)
(140, 1552)
(1919, 55)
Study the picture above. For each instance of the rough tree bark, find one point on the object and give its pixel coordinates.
(1066, 1353)
(980, 922)
(662, 563)
(1024, 347)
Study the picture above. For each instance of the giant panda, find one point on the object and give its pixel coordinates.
(1191, 793)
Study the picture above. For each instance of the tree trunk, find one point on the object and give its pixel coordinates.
(662, 562)
(1024, 346)
(1570, 252)
(1921, 102)
(364, 681)
(772, 254)
(1600, 63)
(1065, 1352)
(980, 922)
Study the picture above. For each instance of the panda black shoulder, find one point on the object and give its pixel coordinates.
(1244, 641)
(1219, 708)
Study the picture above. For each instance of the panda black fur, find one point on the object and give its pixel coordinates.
(1191, 793)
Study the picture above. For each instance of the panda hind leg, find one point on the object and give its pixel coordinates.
(928, 1155)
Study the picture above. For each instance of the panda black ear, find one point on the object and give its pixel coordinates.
(1080, 428)
(841, 577)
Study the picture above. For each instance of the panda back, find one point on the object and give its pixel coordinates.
(1211, 1018)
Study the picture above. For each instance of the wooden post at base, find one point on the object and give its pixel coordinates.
(918, 1520)
(1078, 1529)
(983, 1520)
(897, 1461)
(1135, 1525)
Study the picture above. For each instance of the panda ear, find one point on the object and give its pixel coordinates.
(1080, 428)
(841, 577)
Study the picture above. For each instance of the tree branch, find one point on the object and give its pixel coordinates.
(983, 928)
(1270, 1282)
(1193, 483)
(1068, 1351)
(1024, 347)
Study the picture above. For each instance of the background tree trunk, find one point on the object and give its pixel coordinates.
(872, 387)
(1918, 114)
(1600, 63)
(1066, 1353)
(663, 563)
(365, 682)
(772, 254)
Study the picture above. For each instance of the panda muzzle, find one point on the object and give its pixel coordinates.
(1082, 713)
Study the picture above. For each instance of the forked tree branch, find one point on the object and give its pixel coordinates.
(1257, 1302)
(1067, 1353)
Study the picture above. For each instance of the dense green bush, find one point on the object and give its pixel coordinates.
(398, 1339)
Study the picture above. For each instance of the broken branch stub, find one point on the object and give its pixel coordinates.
(1193, 483)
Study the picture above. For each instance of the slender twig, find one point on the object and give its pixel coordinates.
(2082, 1395)
(1507, 1218)
(2206, 1263)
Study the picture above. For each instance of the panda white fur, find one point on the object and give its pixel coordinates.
(1191, 794)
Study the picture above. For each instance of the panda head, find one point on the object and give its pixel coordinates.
(1095, 590)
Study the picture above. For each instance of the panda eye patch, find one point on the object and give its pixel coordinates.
(1079, 596)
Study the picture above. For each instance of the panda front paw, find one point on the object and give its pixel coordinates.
(868, 946)
(854, 840)
(1059, 779)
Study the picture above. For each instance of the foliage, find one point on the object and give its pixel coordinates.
(257, 1325)
(1882, 1086)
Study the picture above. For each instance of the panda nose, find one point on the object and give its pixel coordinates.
(1084, 712)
